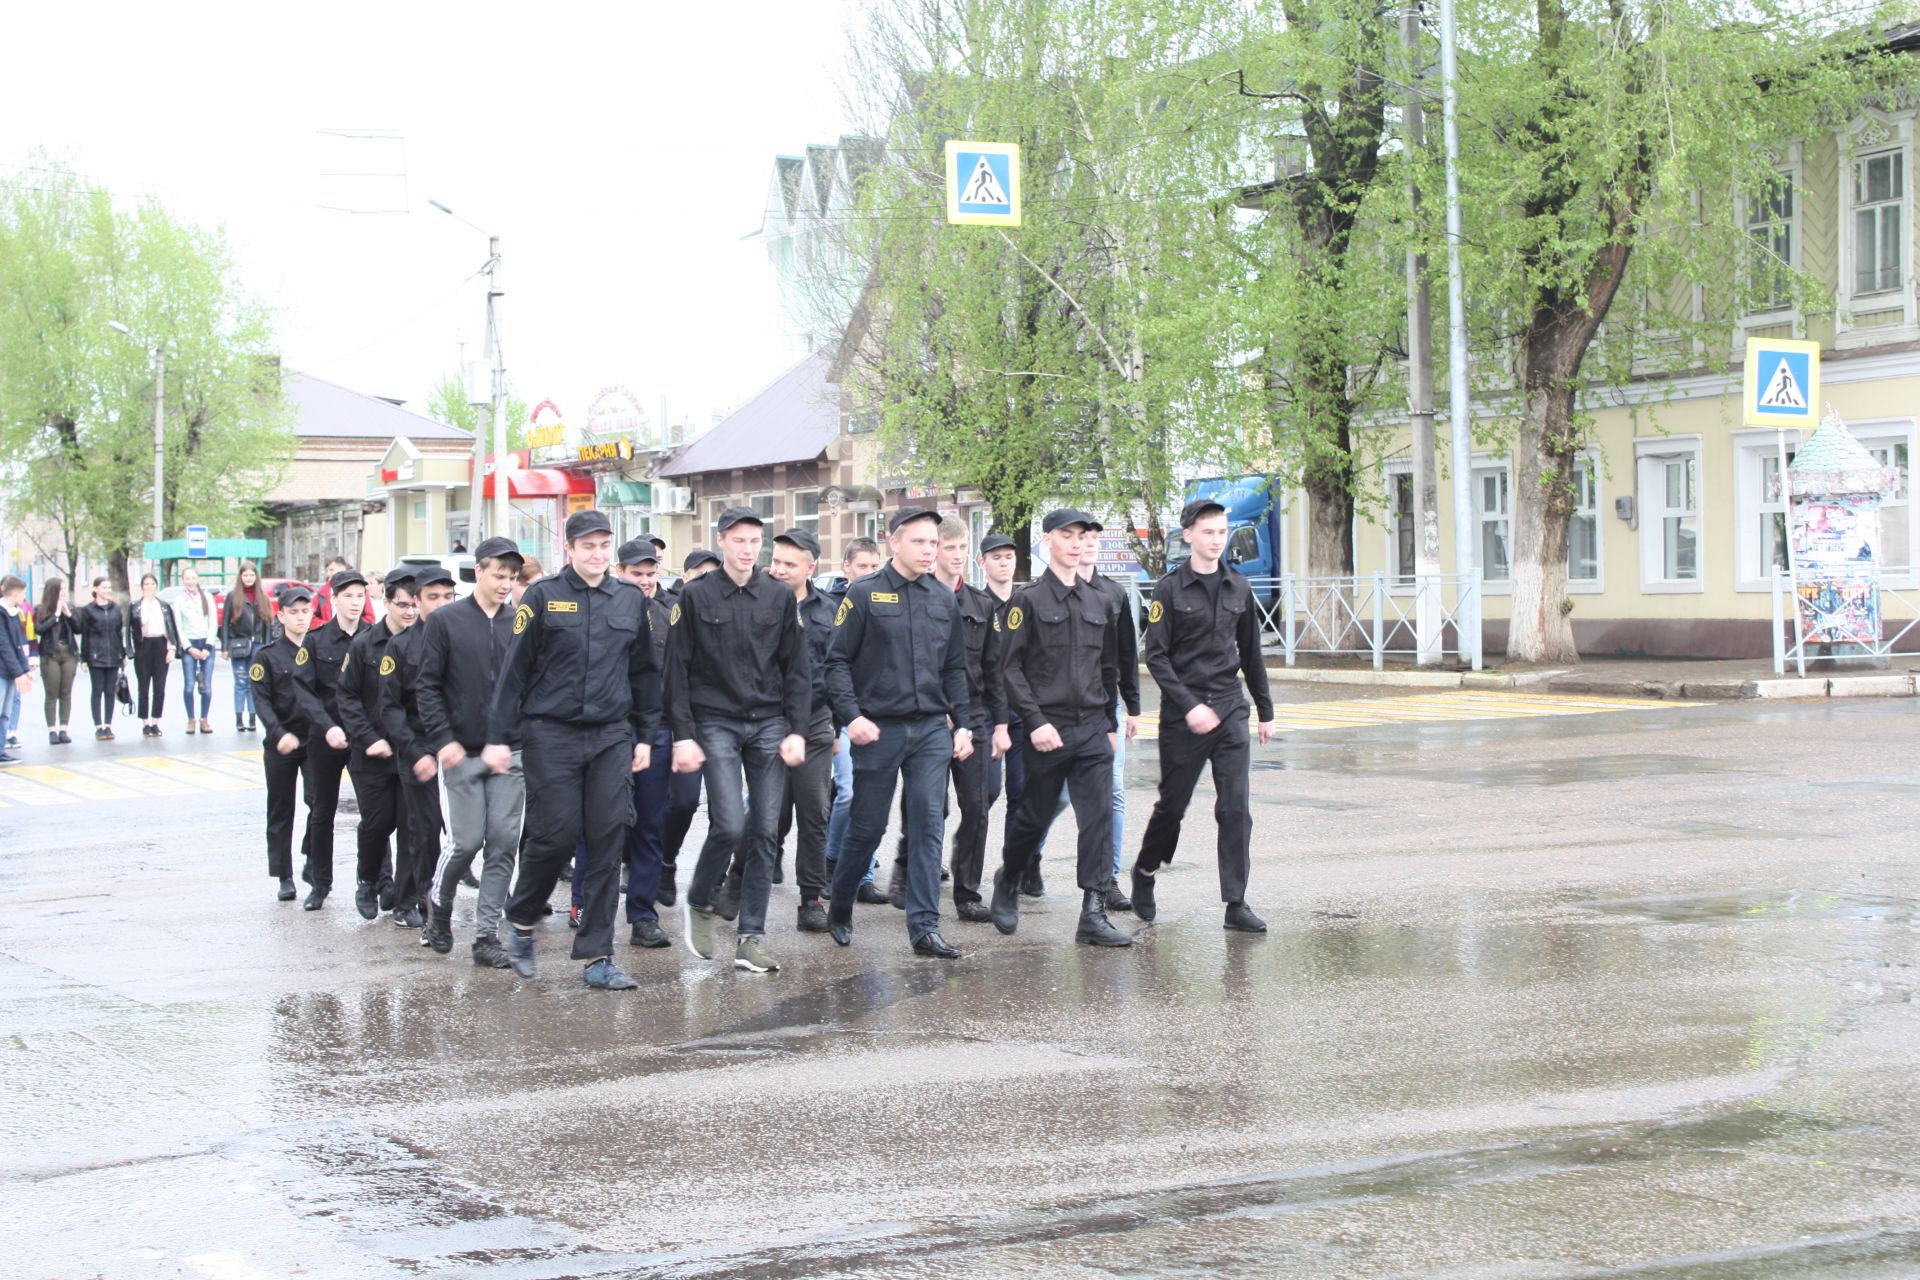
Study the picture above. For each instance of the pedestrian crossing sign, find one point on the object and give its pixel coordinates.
(1783, 383)
(983, 184)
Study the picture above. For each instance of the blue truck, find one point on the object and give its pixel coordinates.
(1253, 527)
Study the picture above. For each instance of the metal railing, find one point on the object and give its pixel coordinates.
(1873, 644)
(1368, 614)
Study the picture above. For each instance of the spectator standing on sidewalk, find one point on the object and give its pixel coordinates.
(243, 633)
(59, 635)
(195, 624)
(103, 648)
(154, 639)
(16, 676)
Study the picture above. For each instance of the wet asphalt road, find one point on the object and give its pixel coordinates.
(1627, 994)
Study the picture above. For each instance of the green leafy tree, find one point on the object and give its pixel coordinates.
(76, 398)
(448, 403)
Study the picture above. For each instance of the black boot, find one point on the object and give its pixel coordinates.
(1143, 903)
(287, 892)
(438, 932)
(1031, 884)
(366, 900)
(1006, 902)
(897, 886)
(667, 894)
(840, 924)
(1095, 929)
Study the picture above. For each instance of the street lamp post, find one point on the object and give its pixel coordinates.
(159, 425)
(502, 505)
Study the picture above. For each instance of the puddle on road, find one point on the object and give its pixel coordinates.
(1553, 773)
(1758, 905)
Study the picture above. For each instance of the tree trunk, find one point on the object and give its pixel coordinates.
(117, 570)
(1329, 555)
(1541, 629)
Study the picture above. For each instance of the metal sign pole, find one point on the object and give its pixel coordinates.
(1793, 566)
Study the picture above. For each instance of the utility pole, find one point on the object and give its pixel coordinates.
(476, 487)
(502, 499)
(1459, 393)
(159, 439)
(1428, 609)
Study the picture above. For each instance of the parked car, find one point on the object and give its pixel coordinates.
(460, 563)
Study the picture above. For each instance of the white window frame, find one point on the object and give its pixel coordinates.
(1790, 167)
(1483, 465)
(1396, 583)
(715, 506)
(1878, 433)
(1649, 458)
(810, 523)
(1870, 133)
(1752, 451)
(1598, 583)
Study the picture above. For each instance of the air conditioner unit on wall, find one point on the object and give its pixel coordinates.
(672, 500)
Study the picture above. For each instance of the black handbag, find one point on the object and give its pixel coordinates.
(124, 693)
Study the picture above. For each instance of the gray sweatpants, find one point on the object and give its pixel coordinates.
(483, 811)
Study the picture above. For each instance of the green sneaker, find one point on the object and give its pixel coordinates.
(751, 954)
(700, 931)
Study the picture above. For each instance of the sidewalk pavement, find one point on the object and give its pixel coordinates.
(1624, 677)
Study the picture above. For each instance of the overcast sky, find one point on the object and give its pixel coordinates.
(619, 151)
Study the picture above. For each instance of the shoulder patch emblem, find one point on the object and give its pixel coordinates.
(673, 619)
(885, 597)
(1014, 618)
(563, 606)
(521, 617)
(846, 607)
(300, 656)
(257, 672)
(387, 665)
(1155, 612)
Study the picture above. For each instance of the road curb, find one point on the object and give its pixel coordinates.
(1572, 682)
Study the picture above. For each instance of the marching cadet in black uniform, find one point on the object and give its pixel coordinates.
(1203, 633)
(376, 787)
(1061, 670)
(413, 757)
(739, 699)
(325, 764)
(897, 672)
(796, 554)
(460, 652)
(581, 692)
(683, 795)
(289, 707)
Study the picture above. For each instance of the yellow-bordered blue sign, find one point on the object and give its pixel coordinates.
(983, 184)
(1783, 383)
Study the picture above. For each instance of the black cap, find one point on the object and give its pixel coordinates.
(802, 539)
(996, 542)
(737, 515)
(428, 574)
(639, 551)
(659, 543)
(582, 523)
(907, 515)
(498, 549)
(1064, 516)
(294, 593)
(697, 557)
(398, 580)
(346, 578)
(1197, 508)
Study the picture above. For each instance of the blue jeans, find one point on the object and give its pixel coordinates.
(918, 750)
(741, 752)
(10, 701)
(842, 815)
(197, 673)
(242, 687)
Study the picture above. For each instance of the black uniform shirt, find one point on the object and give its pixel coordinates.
(816, 621)
(284, 692)
(737, 653)
(460, 651)
(659, 621)
(979, 612)
(579, 654)
(1120, 601)
(399, 699)
(898, 651)
(358, 693)
(1061, 660)
(330, 644)
(1197, 649)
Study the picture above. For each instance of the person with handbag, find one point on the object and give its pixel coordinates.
(59, 655)
(243, 632)
(103, 648)
(194, 625)
(153, 639)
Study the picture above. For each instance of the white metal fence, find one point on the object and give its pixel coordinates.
(1790, 645)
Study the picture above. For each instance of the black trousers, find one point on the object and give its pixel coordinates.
(974, 784)
(101, 682)
(376, 790)
(1084, 764)
(283, 776)
(322, 776)
(1183, 754)
(150, 675)
(683, 801)
(422, 821)
(809, 805)
(579, 786)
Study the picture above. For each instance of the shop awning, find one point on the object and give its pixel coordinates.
(542, 482)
